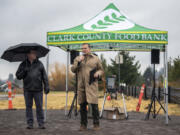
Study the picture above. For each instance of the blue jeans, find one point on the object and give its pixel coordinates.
(38, 98)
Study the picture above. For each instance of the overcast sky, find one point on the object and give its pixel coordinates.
(30, 20)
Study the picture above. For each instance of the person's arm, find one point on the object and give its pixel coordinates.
(45, 80)
(100, 70)
(21, 72)
(75, 65)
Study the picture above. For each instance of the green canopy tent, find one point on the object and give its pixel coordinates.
(111, 30)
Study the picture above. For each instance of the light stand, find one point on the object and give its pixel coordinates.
(152, 107)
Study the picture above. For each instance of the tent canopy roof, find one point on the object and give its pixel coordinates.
(107, 31)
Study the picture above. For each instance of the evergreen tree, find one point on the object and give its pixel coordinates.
(148, 76)
(129, 73)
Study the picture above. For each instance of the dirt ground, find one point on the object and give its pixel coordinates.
(13, 122)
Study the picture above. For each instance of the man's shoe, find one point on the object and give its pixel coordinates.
(29, 127)
(83, 128)
(96, 127)
(42, 127)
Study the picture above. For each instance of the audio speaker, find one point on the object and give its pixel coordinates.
(155, 56)
(73, 54)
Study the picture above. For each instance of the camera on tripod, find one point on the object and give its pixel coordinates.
(111, 88)
(113, 91)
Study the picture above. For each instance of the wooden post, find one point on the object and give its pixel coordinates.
(132, 91)
(135, 91)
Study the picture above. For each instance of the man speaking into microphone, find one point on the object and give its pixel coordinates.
(89, 69)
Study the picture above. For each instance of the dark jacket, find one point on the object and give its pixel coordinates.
(33, 75)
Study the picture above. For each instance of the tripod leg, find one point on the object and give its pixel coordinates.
(75, 111)
(103, 105)
(124, 104)
(72, 106)
(162, 107)
(149, 110)
(154, 111)
(159, 110)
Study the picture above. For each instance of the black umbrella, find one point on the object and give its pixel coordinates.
(19, 52)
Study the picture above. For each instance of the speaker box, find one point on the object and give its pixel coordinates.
(73, 55)
(155, 56)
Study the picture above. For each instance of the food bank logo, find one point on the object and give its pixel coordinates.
(109, 20)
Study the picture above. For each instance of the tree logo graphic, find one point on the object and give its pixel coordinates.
(109, 20)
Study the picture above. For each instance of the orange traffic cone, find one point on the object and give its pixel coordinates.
(140, 98)
(10, 106)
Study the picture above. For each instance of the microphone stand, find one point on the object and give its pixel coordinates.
(74, 99)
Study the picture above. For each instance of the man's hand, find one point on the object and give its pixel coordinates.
(96, 75)
(81, 58)
(46, 92)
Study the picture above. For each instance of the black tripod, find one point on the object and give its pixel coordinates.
(153, 101)
(74, 100)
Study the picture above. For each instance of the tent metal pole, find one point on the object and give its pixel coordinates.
(67, 79)
(164, 77)
(119, 71)
(47, 71)
(166, 83)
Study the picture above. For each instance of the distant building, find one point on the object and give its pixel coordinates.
(11, 77)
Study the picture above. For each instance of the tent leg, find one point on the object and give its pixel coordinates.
(164, 78)
(47, 70)
(101, 114)
(166, 83)
(67, 72)
(119, 71)
(124, 105)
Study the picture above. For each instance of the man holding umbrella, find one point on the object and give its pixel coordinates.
(32, 71)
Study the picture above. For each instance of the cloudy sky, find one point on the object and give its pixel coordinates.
(30, 20)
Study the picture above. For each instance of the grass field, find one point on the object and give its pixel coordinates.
(56, 100)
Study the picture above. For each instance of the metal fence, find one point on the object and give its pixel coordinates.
(173, 93)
